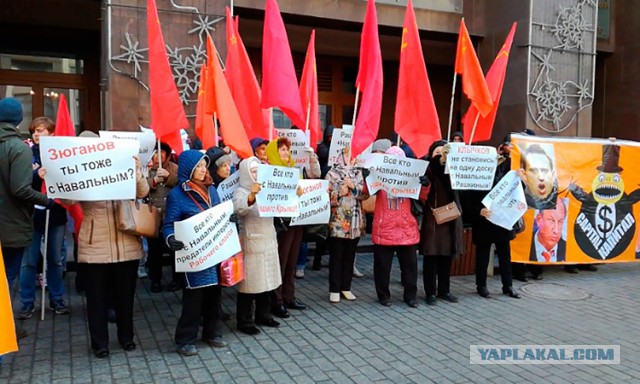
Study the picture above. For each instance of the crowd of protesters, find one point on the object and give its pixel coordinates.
(271, 248)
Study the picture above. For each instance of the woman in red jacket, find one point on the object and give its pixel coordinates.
(395, 230)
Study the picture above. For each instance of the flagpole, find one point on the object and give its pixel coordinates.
(353, 123)
(271, 124)
(306, 128)
(43, 281)
(473, 131)
(160, 155)
(215, 128)
(453, 93)
(398, 144)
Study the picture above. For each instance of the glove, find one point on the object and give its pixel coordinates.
(366, 172)
(424, 180)
(174, 245)
(51, 204)
(233, 218)
(308, 149)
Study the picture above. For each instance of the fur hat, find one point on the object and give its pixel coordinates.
(10, 111)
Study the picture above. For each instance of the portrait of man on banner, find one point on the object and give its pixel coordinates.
(538, 172)
(549, 242)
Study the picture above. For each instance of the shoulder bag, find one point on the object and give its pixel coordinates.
(445, 213)
(137, 218)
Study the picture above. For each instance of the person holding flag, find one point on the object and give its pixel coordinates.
(43, 126)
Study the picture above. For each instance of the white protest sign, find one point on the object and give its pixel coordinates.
(278, 197)
(398, 177)
(227, 186)
(209, 238)
(340, 139)
(89, 169)
(314, 205)
(472, 167)
(446, 165)
(299, 141)
(506, 201)
(147, 140)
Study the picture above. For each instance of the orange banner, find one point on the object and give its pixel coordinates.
(582, 196)
(8, 342)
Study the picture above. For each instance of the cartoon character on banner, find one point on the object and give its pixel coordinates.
(605, 225)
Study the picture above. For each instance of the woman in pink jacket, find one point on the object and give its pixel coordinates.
(395, 230)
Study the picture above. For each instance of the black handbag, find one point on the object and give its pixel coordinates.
(280, 224)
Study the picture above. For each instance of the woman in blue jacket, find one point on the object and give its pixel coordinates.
(194, 193)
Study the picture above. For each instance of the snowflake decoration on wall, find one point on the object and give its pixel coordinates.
(570, 28)
(132, 53)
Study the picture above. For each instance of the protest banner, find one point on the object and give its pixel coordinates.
(472, 167)
(89, 169)
(314, 206)
(209, 238)
(340, 139)
(8, 341)
(506, 201)
(278, 197)
(299, 141)
(147, 140)
(586, 192)
(228, 186)
(398, 177)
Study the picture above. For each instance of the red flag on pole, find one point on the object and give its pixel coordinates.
(309, 92)
(279, 81)
(65, 127)
(369, 82)
(243, 83)
(416, 118)
(204, 122)
(231, 128)
(468, 66)
(495, 81)
(167, 113)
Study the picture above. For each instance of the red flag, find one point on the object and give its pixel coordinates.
(495, 81)
(167, 113)
(279, 81)
(309, 92)
(205, 129)
(231, 128)
(468, 66)
(416, 118)
(65, 127)
(243, 83)
(369, 82)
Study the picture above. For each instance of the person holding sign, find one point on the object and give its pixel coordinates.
(347, 224)
(486, 233)
(195, 193)
(395, 230)
(439, 243)
(161, 181)
(261, 261)
(289, 238)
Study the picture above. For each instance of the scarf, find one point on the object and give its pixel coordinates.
(202, 187)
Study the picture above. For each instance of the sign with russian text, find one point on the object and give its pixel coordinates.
(472, 167)
(228, 186)
(299, 141)
(147, 140)
(506, 201)
(209, 238)
(314, 205)
(583, 196)
(278, 197)
(340, 139)
(397, 176)
(89, 169)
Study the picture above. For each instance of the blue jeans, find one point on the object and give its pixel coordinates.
(12, 258)
(55, 266)
(302, 256)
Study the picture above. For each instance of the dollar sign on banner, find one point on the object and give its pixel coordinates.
(605, 218)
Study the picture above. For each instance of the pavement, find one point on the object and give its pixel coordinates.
(353, 342)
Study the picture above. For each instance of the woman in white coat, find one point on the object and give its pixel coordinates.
(260, 247)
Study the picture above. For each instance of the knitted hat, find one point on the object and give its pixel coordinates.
(381, 145)
(395, 151)
(10, 111)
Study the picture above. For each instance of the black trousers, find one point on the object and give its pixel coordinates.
(198, 304)
(107, 285)
(342, 255)
(245, 308)
(382, 262)
(288, 249)
(157, 248)
(436, 267)
(483, 251)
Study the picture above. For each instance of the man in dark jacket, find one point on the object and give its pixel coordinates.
(16, 195)
(323, 150)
